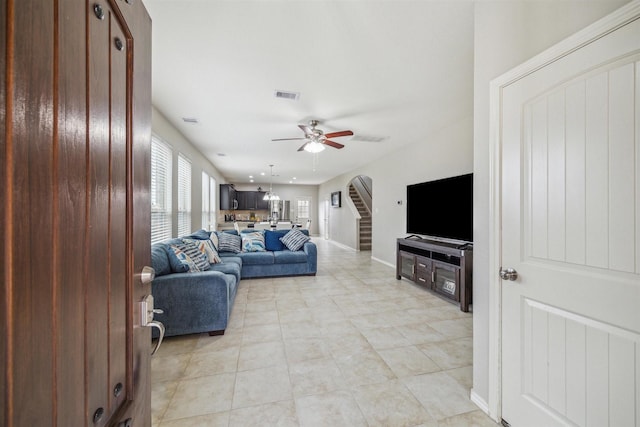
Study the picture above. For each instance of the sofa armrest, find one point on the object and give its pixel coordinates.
(193, 302)
(311, 250)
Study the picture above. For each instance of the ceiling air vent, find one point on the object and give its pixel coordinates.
(293, 96)
(190, 120)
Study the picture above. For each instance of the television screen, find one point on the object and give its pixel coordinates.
(442, 208)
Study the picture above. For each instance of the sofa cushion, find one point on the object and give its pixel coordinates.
(199, 235)
(214, 239)
(294, 240)
(272, 240)
(231, 265)
(229, 242)
(289, 257)
(257, 258)
(253, 242)
(206, 247)
(185, 260)
(160, 260)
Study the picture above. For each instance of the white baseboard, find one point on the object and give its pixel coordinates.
(349, 248)
(480, 402)
(384, 262)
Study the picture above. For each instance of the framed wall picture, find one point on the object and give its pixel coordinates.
(336, 200)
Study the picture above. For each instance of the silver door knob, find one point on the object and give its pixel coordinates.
(508, 274)
(147, 275)
(160, 326)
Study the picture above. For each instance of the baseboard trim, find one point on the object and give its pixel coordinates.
(383, 262)
(349, 248)
(479, 402)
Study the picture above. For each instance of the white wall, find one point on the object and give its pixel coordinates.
(445, 153)
(163, 129)
(507, 33)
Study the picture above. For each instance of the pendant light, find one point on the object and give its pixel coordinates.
(270, 194)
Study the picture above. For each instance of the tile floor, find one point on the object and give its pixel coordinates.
(351, 346)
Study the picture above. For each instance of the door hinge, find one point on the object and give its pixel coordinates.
(505, 423)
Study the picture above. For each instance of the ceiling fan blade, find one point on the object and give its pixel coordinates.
(332, 144)
(303, 145)
(337, 134)
(287, 139)
(306, 129)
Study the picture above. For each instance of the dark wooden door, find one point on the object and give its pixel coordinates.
(74, 156)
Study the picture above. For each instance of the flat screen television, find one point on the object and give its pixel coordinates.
(441, 209)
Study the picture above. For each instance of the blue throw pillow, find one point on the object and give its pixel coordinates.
(177, 266)
(294, 240)
(272, 240)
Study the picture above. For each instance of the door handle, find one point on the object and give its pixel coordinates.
(146, 319)
(508, 274)
(160, 326)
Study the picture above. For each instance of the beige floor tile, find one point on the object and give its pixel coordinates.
(261, 318)
(261, 333)
(168, 368)
(161, 394)
(207, 343)
(440, 394)
(362, 368)
(306, 329)
(450, 354)
(261, 355)
(259, 386)
(213, 362)
(463, 375)
(408, 361)
(300, 349)
(295, 316)
(281, 414)
(346, 345)
(420, 333)
(454, 328)
(260, 306)
(470, 419)
(220, 419)
(381, 338)
(329, 409)
(200, 396)
(315, 376)
(390, 404)
(172, 346)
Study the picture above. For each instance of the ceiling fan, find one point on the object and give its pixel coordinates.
(316, 139)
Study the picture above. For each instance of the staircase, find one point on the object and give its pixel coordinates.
(365, 219)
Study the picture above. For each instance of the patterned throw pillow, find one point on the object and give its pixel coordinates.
(199, 259)
(214, 240)
(253, 242)
(294, 240)
(228, 242)
(183, 257)
(207, 248)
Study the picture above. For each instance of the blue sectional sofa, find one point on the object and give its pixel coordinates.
(195, 302)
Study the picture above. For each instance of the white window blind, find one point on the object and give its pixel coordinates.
(184, 195)
(205, 201)
(160, 190)
(212, 205)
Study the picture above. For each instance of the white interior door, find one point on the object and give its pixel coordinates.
(570, 191)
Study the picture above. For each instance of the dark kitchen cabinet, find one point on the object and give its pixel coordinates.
(228, 197)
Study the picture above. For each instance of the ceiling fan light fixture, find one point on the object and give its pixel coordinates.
(314, 147)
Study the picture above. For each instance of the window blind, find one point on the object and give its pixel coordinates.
(206, 207)
(160, 190)
(184, 195)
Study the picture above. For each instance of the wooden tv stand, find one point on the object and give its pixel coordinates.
(444, 268)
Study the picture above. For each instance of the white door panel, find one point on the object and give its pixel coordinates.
(570, 191)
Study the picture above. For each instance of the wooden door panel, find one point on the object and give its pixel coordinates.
(74, 159)
(70, 193)
(119, 268)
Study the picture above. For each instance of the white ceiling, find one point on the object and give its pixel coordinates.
(398, 70)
